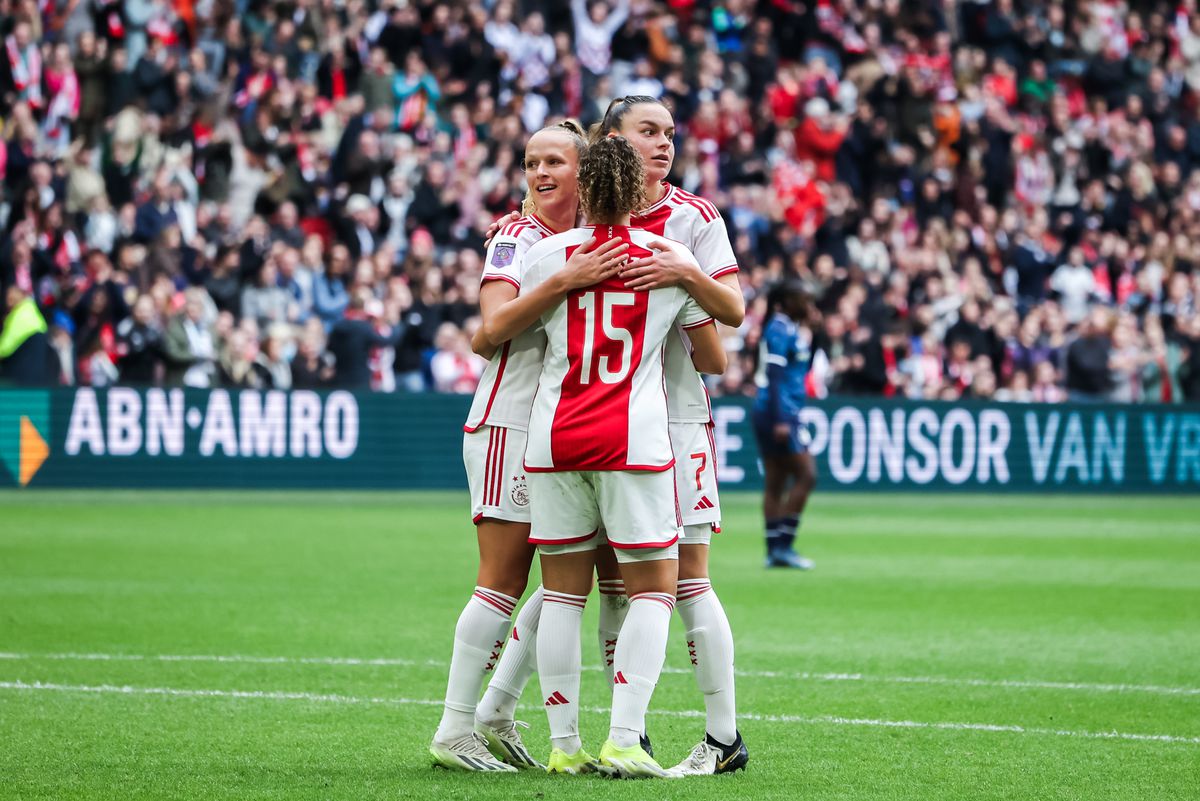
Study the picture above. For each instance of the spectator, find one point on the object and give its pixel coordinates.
(353, 337)
(911, 168)
(819, 137)
(157, 213)
(25, 355)
(595, 26)
(330, 296)
(358, 231)
(140, 345)
(1161, 365)
(271, 366)
(312, 367)
(236, 361)
(191, 344)
(21, 71)
(1088, 359)
(454, 367)
(1074, 282)
(265, 302)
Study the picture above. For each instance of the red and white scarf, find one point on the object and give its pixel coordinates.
(26, 71)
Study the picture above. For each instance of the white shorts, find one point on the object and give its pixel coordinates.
(698, 534)
(696, 473)
(637, 510)
(494, 458)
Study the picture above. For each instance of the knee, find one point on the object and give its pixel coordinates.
(693, 562)
(511, 584)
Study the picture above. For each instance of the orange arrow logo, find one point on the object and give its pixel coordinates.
(34, 451)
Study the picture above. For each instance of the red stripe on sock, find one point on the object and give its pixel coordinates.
(493, 603)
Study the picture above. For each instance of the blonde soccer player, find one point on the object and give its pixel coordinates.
(494, 445)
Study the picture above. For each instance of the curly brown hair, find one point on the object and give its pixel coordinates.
(612, 181)
(578, 139)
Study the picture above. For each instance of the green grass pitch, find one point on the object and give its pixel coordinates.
(221, 646)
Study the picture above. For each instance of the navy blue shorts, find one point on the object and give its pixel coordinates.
(764, 431)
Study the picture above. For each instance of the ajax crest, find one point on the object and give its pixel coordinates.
(520, 491)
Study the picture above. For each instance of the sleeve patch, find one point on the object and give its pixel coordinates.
(503, 254)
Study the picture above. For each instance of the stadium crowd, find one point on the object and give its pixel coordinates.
(986, 199)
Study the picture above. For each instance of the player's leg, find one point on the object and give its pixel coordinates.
(710, 647)
(776, 472)
(802, 468)
(495, 717)
(614, 604)
(504, 559)
(566, 582)
(565, 524)
(505, 555)
(709, 639)
(640, 515)
(775, 482)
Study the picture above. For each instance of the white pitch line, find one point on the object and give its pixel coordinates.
(758, 674)
(817, 720)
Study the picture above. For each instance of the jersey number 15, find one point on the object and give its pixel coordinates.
(603, 336)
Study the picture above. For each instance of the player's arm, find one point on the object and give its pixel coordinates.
(708, 352)
(479, 341)
(507, 313)
(712, 255)
(720, 297)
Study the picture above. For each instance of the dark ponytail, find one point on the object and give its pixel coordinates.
(616, 111)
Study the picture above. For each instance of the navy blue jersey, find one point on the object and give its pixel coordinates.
(785, 355)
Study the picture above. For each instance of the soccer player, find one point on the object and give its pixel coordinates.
(494, 443)
(789, 469)
(599, 454)
(711, 278)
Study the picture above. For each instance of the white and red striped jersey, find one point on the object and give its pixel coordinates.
(601, 401)
(505, 392)
(697, 225)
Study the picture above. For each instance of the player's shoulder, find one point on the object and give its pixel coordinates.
(686, 203)
(553, 243)
(525, 231)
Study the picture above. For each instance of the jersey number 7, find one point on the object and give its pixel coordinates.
(604, 336)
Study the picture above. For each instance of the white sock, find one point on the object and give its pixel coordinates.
(516, 665)
(613, 607)
(639, 660)
(558, 658)
(710, 645)
(478, 639)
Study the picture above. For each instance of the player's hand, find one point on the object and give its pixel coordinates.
(588, 266)
(782, 432)
(495, 227)
(665, 268)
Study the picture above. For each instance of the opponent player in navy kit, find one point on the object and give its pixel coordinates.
(789, 471)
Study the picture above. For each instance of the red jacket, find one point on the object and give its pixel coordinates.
(819, 145)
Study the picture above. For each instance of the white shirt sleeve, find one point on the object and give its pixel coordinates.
(692, 315)
(711, 247)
